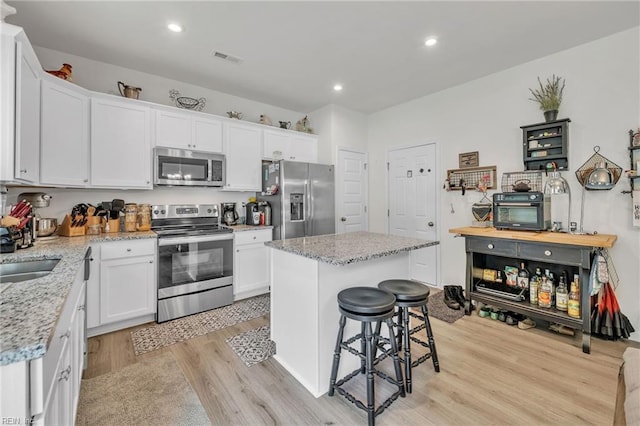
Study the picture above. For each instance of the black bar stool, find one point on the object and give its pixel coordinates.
(367, 305)
(410, 294)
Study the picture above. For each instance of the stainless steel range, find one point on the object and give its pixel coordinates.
(195, 259)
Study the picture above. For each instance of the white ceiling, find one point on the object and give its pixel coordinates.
(294, 52)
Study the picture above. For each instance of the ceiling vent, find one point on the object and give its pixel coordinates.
(226, 57)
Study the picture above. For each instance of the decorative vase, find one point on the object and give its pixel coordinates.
(550, 115)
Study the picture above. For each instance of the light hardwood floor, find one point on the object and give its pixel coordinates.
(491, 373)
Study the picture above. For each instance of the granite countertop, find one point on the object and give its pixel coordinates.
(29, 310)
(344, 249)
(240, 228)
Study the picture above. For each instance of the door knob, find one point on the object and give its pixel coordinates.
(430, 223)
(343, 219)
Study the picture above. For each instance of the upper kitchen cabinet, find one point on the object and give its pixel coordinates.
(64, 142)
(243, 151)
(120, 143)
(188, 130)
(20, 106)
(292, 146)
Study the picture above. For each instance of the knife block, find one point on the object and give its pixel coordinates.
(67, 230)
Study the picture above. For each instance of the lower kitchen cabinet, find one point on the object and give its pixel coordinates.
(122, 292)
(55, 378)
(251, 263)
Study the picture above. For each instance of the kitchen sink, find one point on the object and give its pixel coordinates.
(26, 270)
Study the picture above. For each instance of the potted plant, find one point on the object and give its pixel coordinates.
(549, 96)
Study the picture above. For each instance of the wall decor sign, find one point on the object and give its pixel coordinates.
(468, 159)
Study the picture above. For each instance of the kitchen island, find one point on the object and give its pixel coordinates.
(306, 276)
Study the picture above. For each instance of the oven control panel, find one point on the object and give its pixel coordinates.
(168, 211)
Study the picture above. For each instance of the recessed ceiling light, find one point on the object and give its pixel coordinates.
(175, 28)
(431, 41)
(337, 87)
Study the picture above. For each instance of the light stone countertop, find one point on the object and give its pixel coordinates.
(29, 310)
(345, 249)
(241, 228)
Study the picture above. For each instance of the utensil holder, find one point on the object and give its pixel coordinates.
(67, 230)
(114, 226)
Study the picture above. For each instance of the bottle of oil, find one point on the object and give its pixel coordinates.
(562, 294)
(573, 304)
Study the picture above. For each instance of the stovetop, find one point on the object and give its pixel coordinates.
(186, 220)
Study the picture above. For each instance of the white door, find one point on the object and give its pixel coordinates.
(173, 130)
(413, 205)
(351, 191)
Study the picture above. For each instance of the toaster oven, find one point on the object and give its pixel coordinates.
(530, 211)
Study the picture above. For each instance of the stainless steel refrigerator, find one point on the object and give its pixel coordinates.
(303, 203)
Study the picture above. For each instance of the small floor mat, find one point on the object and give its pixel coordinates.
(253, 346)
(160, 335)
(438, 309)
(149, 392)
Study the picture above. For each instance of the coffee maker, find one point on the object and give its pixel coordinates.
(229, 214)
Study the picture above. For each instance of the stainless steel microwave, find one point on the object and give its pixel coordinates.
(530, 211)
(176, 167)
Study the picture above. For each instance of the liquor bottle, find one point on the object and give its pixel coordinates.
(573, 304)
(562, 294)
(534, 287)
(523, 277)
(552, 281)
(544, 294)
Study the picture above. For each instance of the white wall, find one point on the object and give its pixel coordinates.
(602, 98)
(104, 77)
(340, 128)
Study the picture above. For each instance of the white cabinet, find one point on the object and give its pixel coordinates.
(55, 379)
(243, 151)
(64, 147)
(292, 146)
(127, 281)
(251, 263)
(188, 130)
(20, 106)
(120, 144)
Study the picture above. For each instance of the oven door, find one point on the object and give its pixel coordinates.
(193, 264)
(511, 215)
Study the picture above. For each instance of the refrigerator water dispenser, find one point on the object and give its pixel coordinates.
(297, 207)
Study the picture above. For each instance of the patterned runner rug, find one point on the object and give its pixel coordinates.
(170, 332)
(253, 346)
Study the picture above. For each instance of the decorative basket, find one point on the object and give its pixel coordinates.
(186, 102)
(583, 172)
(509, 179)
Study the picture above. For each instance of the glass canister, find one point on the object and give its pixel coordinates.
(144, 217)
(130, 217)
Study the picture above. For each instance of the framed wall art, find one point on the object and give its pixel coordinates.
(468, 159)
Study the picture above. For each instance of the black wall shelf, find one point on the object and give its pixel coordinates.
(544, 143)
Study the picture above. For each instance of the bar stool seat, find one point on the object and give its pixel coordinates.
(367, 305)
(411, 294)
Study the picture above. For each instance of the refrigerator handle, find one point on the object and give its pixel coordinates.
(308, 219)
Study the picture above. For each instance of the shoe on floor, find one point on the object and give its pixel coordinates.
(450, 298)
(526, 324)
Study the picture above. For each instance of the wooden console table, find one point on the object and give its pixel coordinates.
(493, 249)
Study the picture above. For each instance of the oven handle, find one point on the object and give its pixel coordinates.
(517, 204)
(201, 239)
